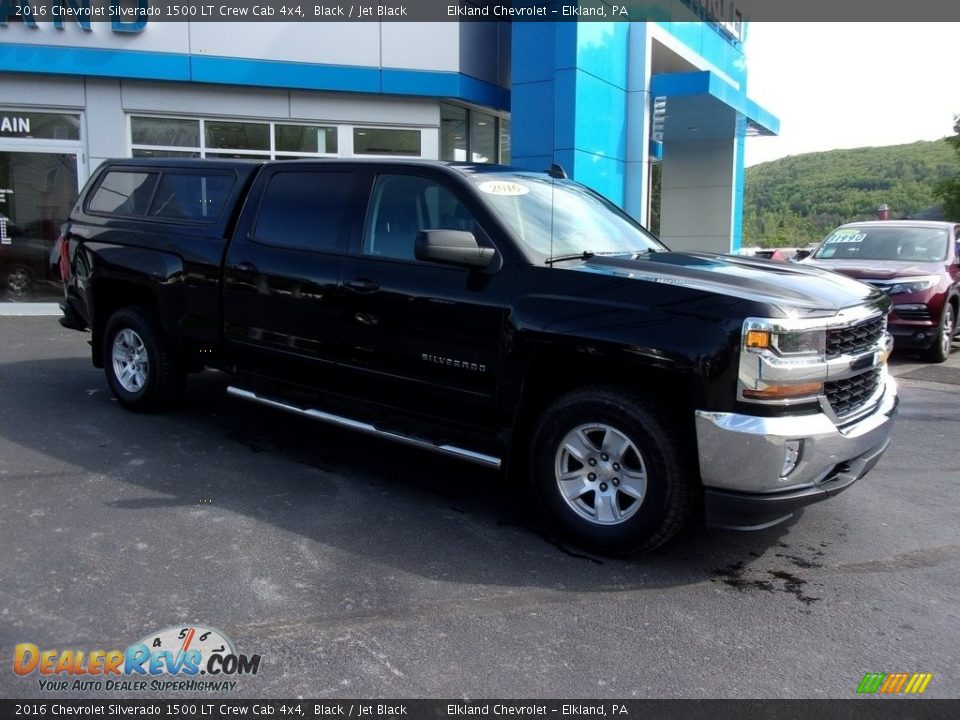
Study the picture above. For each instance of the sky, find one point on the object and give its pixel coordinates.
(845, 85)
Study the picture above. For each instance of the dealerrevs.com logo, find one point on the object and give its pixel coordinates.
(178, 658)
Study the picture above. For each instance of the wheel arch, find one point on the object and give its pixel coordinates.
(550, 374)
(112, 295)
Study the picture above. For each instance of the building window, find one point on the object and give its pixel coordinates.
(656, 196)
(453, 133)
(39, 125)
(237, 135)
(483, 138)
(150, 153)
(302, 139)
(473, 135)
(238, 155)
(505, 155)
(171, 132)
(213, 138)
(386, 141)
(200, 137)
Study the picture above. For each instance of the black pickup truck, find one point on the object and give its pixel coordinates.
(509, 318)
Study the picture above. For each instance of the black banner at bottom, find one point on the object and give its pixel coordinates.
(854, 709)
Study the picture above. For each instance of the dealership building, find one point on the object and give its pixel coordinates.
(616, 104)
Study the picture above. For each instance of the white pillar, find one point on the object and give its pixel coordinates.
(697, 204)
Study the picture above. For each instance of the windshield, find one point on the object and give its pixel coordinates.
(582, 221)
(913, 244)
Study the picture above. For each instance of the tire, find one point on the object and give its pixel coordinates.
(940, 350)
(141, 367)
(19, 280)
(642, 491)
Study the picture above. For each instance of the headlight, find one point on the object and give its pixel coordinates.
(800, 343)
(792, 351)
(906, 286)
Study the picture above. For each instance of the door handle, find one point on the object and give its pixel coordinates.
(244, 271)
(362, 285)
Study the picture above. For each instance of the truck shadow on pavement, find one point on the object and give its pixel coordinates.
(217, 460)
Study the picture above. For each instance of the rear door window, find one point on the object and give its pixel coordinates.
(305, 210)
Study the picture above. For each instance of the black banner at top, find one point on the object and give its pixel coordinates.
(729, 14)
(208, 709)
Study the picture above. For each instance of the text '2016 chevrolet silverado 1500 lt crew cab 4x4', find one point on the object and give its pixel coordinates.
(504, 317)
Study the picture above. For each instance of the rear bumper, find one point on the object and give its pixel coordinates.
(742, 460)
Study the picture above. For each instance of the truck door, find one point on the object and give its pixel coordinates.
(281, 273)
(421, 334)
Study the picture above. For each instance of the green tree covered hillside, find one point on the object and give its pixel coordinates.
(799, 199)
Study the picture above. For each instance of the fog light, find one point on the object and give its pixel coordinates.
(791, 456)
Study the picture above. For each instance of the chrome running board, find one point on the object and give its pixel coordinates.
(364, 427)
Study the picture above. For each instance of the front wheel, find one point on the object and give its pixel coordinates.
(609, 471)
(140, 365)
(940, 350)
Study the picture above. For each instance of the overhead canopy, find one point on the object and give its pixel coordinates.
(701, 104)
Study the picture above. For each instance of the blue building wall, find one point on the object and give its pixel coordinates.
(572, 83)
(708, 41)
(569, 99)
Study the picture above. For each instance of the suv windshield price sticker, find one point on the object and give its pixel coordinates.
(503, 187)
(846, 236)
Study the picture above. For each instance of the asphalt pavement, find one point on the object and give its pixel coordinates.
(357, 568)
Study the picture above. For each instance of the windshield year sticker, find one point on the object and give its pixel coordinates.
(503, 187)
(846, 236)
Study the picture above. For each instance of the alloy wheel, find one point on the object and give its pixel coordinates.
(600, 474)
(946, 336)
(130, 364)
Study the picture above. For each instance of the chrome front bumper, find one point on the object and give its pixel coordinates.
(746, 453)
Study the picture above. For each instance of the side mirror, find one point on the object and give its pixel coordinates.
(452, 247)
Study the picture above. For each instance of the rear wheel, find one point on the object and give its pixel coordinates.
(940, 350)
(140, 365)
(609, 471)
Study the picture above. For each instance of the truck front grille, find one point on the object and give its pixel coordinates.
(856, 338)
(849, 395)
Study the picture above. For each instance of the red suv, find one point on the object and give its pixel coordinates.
(916, 263)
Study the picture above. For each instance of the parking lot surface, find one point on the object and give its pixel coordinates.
(357, 568)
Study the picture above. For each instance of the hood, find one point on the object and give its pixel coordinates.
(877, 269)
(785, 285)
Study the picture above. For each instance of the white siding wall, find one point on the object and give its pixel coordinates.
(107, 103)
(697, 194)
(406, 45)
